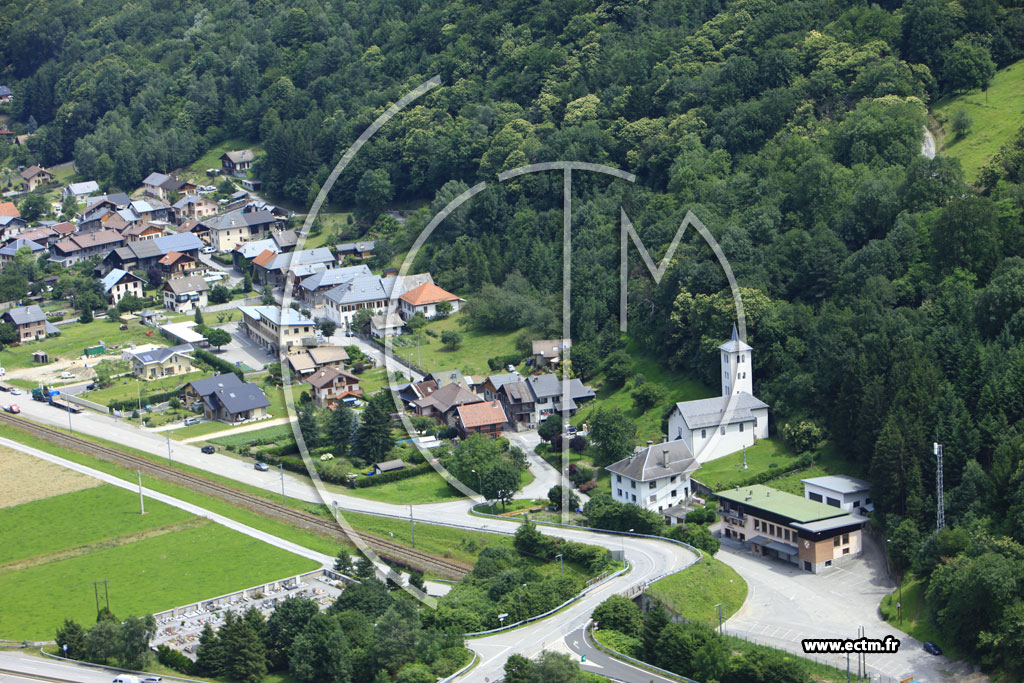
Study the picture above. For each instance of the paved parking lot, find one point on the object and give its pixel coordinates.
(785, 605)
(244, 350)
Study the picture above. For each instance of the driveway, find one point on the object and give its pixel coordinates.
(241, 349)
(785, 605)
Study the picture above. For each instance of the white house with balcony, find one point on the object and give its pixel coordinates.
(657, 478)
(715, 427)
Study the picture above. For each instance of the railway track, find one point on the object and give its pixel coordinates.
(386, 549)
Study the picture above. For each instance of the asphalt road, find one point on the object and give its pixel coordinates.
(31, 666)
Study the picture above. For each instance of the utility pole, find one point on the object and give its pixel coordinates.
(561, 564)
(847, 667)
(281, 466)
(169, 463)
(67, 405)
(96, 592)
(142, 504)
(138, 386)
(940, 520)
(412, 526)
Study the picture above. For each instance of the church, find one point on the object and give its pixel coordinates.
(715, 427)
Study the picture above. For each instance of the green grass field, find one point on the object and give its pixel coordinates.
(694, 592)
(145, 576)
(75, 337)
(52, 524)
(727, 472)
(131, 386)
(470, 357)
(996, 115)
(678, 387)
(828, 461)
(279, 434)
(429, 487)
(212, 157)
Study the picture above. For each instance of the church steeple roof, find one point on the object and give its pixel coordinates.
(735, 344)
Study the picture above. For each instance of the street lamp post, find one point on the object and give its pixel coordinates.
(519, 594)
(479, 481)
(561, 564)
(281, 466)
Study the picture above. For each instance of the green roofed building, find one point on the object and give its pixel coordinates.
(779, 525)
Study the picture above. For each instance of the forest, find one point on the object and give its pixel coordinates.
(883, 295)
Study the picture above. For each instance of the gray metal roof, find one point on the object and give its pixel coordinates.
(840, 483)
(162, 354)
(305, 257)
(11, 248)
(186, 285)
(253, 249)
(499, 381)
(113, 277)
(359, 289)
(87, 187)
(227, 390)
(156, 179)
(549, 385)
(711, 412)
(239, 156)
(239, 219)
(161, 246)
(656, 461)
(830, 523)
(25, 315)
(335, 276)
(368, 245)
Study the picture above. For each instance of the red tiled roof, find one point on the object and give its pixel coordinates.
(480, 414)
(265, 258)
(9, 209)
(427, 293)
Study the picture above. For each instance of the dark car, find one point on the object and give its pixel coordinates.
(91, 386)
(262, 466)
(207, 449)
(932, 649)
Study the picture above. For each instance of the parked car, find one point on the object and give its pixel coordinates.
(91, 386)
(209, 250)
(931, 648)
(15, 392)
(152, 679)
(189, 421)
(12, 408)
(66, 375)
(570, 430)
(510, 368)
(262, 466)
(208, 449)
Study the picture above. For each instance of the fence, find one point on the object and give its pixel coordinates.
(472, 663)
(104, 667)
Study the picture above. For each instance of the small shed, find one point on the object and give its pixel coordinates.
(40, 357)
(388, 466)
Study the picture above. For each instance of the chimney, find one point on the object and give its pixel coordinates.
(664, 457)
(650, 443)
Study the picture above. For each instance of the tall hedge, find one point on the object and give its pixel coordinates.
(217, 363)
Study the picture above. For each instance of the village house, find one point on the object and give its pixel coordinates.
(358, 250)
(7, 137)
(441, 403)
(331, 384)
(10, 226)
(185, 294)
(175, 264)
(196, 228)
(383, 325)
(10, 250)
(425, 299)
(34, 176)
(314, 358)
(273, 268)
(517, 401)
(715, 427)
(548, 352)
(227, 399)
(237, 163)
(44, 236)
(656, 478)
(230, 229)
(193, 208)
(772, 523)
(271, 327)
(415, 390)
(247, 251)
(140, 232)
(80, 190)
(388, 466)
(492, 384)
(162, 186)
(547, 396)
(485, 417)
(117, 284)
(6, 96)
(80, 247)
(162, 362)
(29, 322)
(146, 253)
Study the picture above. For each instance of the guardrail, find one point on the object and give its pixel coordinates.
(86, 403)
(626, 658)
(115, 669)
(472, 663)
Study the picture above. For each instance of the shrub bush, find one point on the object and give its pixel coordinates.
(174, 660)
(216, 363)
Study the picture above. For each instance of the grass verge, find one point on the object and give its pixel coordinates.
(694, 592)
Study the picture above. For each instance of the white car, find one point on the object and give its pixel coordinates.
(209, 250)
(66, 375)
(15, 392)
